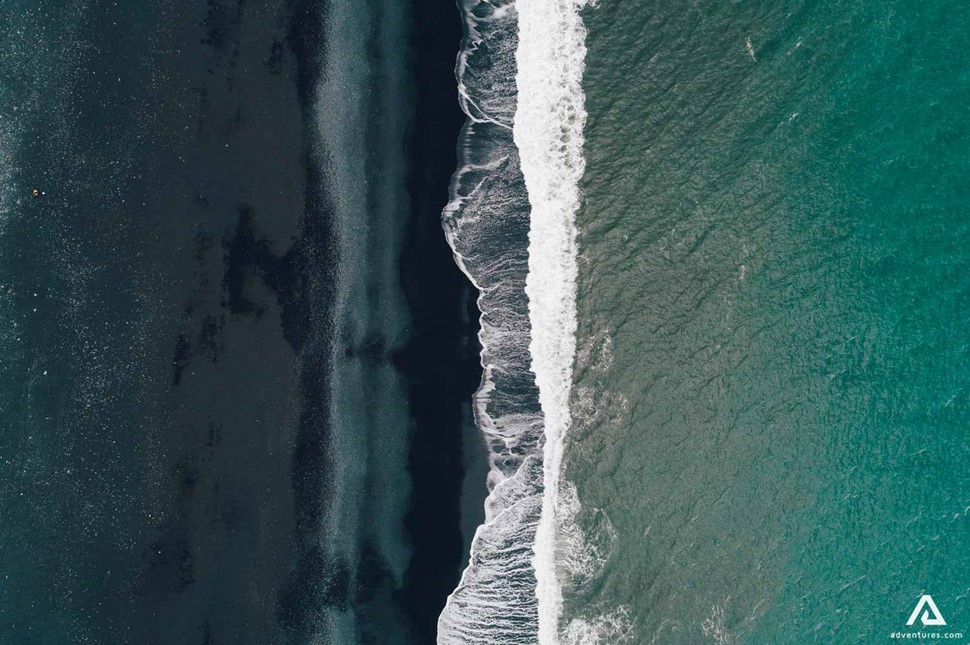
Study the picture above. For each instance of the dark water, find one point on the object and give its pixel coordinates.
(170, 313)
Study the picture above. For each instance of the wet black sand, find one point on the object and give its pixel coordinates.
(441, 360)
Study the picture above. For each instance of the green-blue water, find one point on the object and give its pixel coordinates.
(772, 392)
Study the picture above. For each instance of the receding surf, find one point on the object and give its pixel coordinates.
(511, 224)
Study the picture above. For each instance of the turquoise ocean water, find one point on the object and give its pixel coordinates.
(771, 402)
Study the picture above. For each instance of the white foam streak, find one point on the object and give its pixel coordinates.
(548, 131)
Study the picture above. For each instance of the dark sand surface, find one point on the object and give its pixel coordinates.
(441, 360)
(239, 471)
(187, 262)
(232, 411)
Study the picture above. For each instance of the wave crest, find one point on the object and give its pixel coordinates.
(548, 131)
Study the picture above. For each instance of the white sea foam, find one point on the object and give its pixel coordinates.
(486, 223)
(612, 628)
(510, 222)
(582, 554)
(548, 132)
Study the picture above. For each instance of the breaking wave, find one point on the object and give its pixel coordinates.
(510, 222)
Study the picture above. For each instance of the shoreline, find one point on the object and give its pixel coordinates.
(440, 360)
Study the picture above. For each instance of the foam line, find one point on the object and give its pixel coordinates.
(548, 131)
(510, 222)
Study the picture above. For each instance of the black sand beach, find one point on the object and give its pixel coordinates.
(187, 259)
(441, 360)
